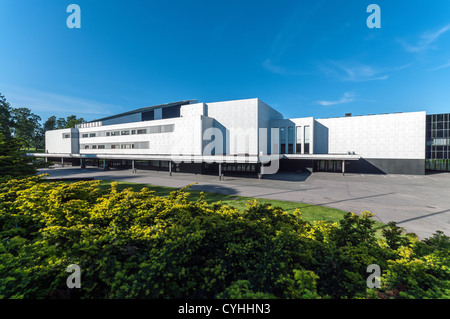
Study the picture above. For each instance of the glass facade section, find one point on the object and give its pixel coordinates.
(438, 142)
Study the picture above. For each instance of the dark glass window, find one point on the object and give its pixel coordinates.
(148, 116)
(171, 112)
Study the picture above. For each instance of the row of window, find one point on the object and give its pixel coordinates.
(149, 130)
(439, 141)
(128, 146)
(438, 117)
(300, 131)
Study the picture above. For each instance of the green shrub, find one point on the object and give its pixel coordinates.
(133, 244)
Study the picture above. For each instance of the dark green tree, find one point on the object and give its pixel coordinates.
(27, 126)
(50, 124)
(72, 120)
(12, 161)
(61, 123)
(6, 122)
(69, 122)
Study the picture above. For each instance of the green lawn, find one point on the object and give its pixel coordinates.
(309, 212)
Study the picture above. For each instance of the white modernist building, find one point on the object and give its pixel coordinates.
(243, 136)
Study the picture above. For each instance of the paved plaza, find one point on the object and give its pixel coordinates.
(418, 203)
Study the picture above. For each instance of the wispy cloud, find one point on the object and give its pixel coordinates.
(352, 71)
(425, 40)
(48, 102)
(443, 66)
(268, 65)
(278, 69)
(346, 98)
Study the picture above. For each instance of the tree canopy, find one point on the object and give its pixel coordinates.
(24, 124)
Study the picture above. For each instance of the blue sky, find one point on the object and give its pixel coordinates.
(304, 58)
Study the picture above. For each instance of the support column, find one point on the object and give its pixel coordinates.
(62, 161)
(220, 171)
(170, 168)
(104, 164)
(261, 171)
(81, 162)
(132, 166)
(343, 167)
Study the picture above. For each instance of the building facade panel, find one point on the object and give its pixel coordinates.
(392, 136)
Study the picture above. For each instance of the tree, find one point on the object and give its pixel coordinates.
(5, 118)
(72, 121)
(61, 123)
(12, 161)
(50, 124)
(27, 126)
(69, 122)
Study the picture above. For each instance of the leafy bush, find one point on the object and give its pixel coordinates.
(132, 244)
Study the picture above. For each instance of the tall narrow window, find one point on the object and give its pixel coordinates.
(282, 140)
(290, 140)
(307, 139)
(298, 140)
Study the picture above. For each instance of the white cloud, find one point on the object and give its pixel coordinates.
(425, 40)
(346, 98)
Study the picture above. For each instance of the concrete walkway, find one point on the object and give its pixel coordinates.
(420, 204)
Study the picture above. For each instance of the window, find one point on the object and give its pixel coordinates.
(125, 133)
(108, 133)
(142, 131)
(91, 134)
(115, 133)
(282, 140)
(307, 139)
(155, 129)
(66, 135)
(133, 132)
(94, 147)
(86, 147)
(101, 147)
(127, 146)
(85, 135)
(298, 140)
(113, 146)
(290, 140)
(167, 128)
